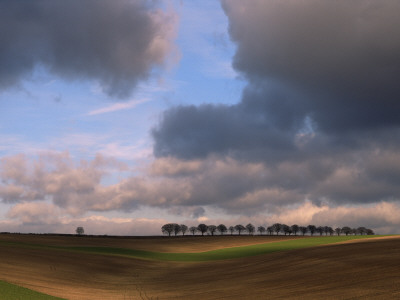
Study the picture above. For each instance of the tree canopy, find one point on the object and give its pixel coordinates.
(278, 228)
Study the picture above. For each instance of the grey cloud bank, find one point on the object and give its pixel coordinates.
(50, 192)
(116, 43)
(320, 112)
(332, 64)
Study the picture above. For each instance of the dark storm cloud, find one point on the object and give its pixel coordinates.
(190, 131)
(116, 43)
(341, 57)
(321, 105)
(327, 67)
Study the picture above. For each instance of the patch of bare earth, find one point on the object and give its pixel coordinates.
(355, 270)
(159, 244)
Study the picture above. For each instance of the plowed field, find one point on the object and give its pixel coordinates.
(361, 269)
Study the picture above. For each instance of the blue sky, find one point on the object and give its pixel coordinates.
(45, 113)
(49, 113)
(202, 111)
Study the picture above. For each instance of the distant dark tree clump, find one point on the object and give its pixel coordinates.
(250, 228)
(80, 230)
(184, 229)
(277, 228)
(286, 229)
(222, 228)
(177, 228)
(231, 229)
(270, 230)
(239, 228)
(303, 230)
(168, 228)
(295, 229)
(193, 229)
(330, 230)
(261, 229)
(212, 229)
(346, 230)
(362, 230)
(311, 229)
(320, 230)
(202, 228)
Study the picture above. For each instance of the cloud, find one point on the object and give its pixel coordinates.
(319, 114)
(35, 213)
(326, 67)
(115, 43)
(117, 106)
(44, 192)
(43, 217)
(234, 186)
(340, 58)
(53, 176)
(169, 166)
(188, 212)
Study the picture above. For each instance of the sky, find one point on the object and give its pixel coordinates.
(121, 116)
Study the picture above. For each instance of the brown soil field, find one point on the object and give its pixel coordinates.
(160, 244)
(367, 269)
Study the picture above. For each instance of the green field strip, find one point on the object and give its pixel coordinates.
(220, 254)
(10, 291)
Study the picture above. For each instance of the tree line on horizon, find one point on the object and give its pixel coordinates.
(277, 228)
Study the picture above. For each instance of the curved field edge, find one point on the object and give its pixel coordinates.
(10, 291)
(219, 254)
(225, 253)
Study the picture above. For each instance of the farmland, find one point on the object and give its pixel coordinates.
(202, 267)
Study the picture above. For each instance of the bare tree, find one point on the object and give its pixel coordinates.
(346, 230)
(270, 230)
(168, 228)
(193, 229)
(311, 229)
(286, 229)
(261, 229)
(303, 230)
(202, 228)
(370, 232)
(231, 229)
(338, 230)
(320, 230)
(222, 228)
(295, 229)
(184, 229)
(239, 228)
(326, 230)
(250, 228)
(330, 230)
(277, 228)
(177, 229)
(362, 230)
(212, 229)
(79, 230)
